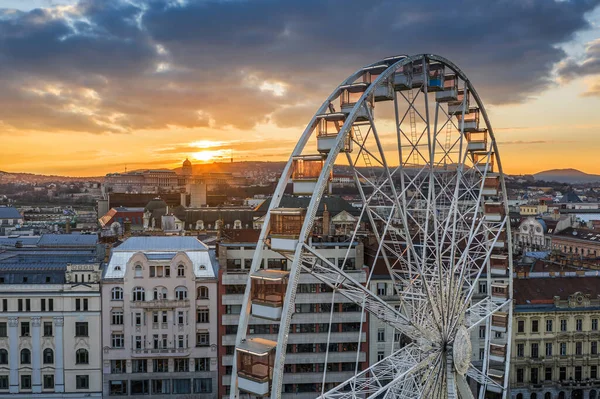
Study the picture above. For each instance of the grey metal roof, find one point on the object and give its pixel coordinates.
(67, 240)
(24, 240)
(40, 267)
(9, 212)
(161, 244)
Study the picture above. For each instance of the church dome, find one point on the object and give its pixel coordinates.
(187, 162)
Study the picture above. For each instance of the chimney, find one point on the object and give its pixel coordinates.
(68, 226)
(183, 201)
(326, 221)
(127, 227)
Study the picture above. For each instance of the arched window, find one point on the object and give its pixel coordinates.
(562, 395)
(202, 293)
(181, 271)
(547, 395)
(81, 356)
(533, 396)
(3, 356)
(117, 294)
(25, 356)
(48, 356)
(138, 272)
(139, 295)
(593, 394)
(181, 293)
(519, 396)
(160, 293)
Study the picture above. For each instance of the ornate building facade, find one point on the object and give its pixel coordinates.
(555, 338)
(50, 303)
(159, 312)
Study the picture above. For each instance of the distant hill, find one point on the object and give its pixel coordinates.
(568, 176)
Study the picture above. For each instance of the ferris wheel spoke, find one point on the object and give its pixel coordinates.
(338, 279)
(495, 382)
(483, 310)
(395, 369)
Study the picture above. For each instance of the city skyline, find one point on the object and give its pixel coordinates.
(90, 87)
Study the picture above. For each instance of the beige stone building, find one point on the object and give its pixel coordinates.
(555, 338)
(160, 319)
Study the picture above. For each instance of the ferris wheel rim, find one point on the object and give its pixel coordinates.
(344, 131)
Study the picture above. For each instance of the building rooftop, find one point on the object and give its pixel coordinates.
(68, 240)
(580, 234)
(40, 267)
(161, 244)
(162, 248)
(334, 204)
(9, 212)
(528, 291)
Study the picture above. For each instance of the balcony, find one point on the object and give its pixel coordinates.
(333, 357)
(161, 304)
(317, 377)
(160, 352)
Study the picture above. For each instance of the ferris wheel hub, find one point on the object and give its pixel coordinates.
(462, 350)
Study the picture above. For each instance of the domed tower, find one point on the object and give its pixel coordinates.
(186, 168)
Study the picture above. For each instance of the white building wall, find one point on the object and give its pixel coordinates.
(63, 341)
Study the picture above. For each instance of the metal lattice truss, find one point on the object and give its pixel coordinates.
(434, 199)
(398, 371)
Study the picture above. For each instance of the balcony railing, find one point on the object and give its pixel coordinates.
(161, 304)
(160, 352)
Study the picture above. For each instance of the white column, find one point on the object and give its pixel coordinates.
(36, 356)
(59, 373)
(13, 341)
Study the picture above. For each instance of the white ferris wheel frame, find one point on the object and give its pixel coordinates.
(376, 379)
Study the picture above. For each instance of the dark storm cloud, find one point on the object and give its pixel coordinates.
(123, 66)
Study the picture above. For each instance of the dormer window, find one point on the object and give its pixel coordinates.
(181, 271)
(138, 271)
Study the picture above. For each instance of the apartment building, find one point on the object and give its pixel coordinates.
(159, 309)
(307, 343)
(50, 313)
(555, 338)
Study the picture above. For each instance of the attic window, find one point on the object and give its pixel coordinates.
(24, 279)
(202, 267)
(117, 268)
(1, 280)
(47, 279)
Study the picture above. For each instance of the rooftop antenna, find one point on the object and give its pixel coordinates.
(125, 168)
(231, 155)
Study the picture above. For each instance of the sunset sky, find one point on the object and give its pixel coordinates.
(92, 87)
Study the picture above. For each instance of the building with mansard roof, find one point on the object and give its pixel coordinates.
(160, 312)
(50, 311)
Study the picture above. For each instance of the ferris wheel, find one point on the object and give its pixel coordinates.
(415, 136)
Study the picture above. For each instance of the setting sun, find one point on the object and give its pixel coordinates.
(209, 155)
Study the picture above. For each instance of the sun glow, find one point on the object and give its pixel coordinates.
(209, 155)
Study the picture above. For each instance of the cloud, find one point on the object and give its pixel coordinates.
(592, 91)
(590, 65)
(121, 66)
